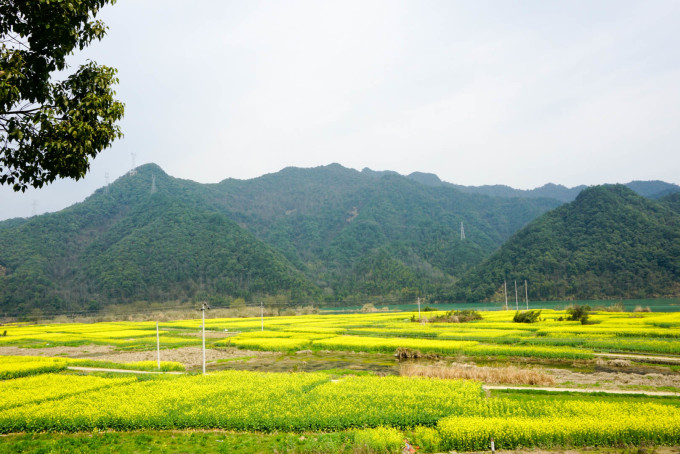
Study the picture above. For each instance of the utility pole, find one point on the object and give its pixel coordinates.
(526, 293)
(505, 291)
(204, 306)
(158, 346)
(516, 303)
(262, 314)
(418, 308)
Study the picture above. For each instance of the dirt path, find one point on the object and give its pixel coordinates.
(581, 390)
(612, 379)
(666, 359)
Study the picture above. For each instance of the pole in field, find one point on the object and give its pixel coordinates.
(204, 306)
(526, 293)
(158, 346)
(493, 446)
(262, 314)
(505, 291)
(516, 302)
(418, 308)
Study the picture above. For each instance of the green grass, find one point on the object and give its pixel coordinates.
(342, 372)
(240, 358)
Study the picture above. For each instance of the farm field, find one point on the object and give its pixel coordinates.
(335, 379)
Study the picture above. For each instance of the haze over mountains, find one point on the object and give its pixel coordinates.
(651, 189)
(335, 235)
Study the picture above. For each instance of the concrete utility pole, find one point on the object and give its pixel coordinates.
(204, 307)
(516, 302)
(158, 346)
(418, 308)
(505, 291)
(526, 293)
(262, 313)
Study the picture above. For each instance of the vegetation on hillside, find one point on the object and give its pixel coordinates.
(333, 236)
(328, 234)
(608, 243)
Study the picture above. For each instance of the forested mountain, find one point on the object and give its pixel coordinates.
(328, 233)
(609, 242)
(331, 235)
(373, 233)
(672, 201)
(127, 243)
(650, 189)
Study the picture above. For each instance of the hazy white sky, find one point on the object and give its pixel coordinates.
(518, 93)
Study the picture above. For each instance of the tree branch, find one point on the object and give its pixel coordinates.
(23, 112)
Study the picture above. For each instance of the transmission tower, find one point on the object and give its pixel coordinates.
(133, 171)
(153, 183)
(106, 188)
(462, 231)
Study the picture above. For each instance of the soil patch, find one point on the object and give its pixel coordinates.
(615, 380)
(191, 357)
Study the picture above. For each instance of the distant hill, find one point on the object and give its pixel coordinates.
(651, 189)
(608, 243)
(324, 234)
(128, 244)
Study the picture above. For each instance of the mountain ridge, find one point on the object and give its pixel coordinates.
(654, 189)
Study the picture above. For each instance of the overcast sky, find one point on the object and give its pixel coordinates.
(518, 93)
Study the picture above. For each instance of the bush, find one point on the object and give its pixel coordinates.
(406, 353)
(526, 316)
(463, 316)
(616, 307)
(642, 309)
(578, 313)
(368, 308)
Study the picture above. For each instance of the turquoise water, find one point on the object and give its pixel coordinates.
(656, 305)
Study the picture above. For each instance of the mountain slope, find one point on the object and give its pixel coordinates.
(128, 244)
(327, 233)
(298, 232)
(609, 242)
(329, 221)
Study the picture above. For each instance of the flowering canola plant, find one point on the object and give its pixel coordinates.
(462, 416)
